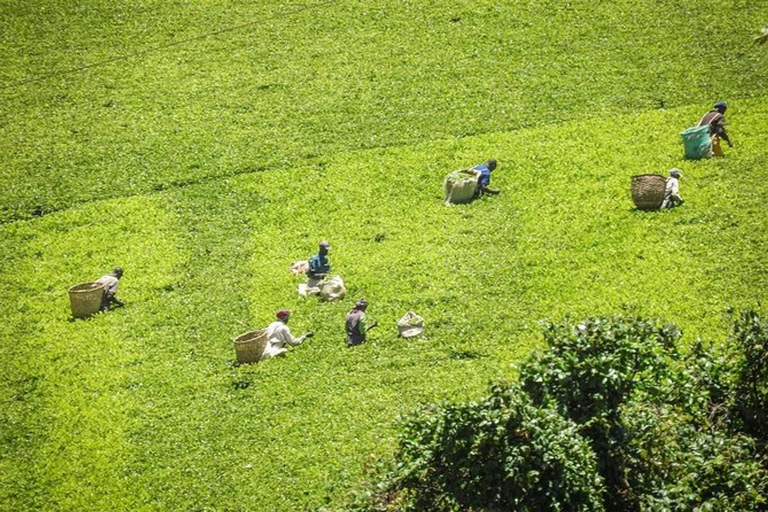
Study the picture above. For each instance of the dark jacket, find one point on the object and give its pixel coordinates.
(355, 327)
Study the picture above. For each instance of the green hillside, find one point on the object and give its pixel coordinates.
(205, 146)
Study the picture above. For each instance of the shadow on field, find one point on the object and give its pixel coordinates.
(466, 354)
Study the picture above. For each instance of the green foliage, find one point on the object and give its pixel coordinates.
(206, 163)
(673, 464)
(636, 430)
(589, 372)
(593, 368)
(500, 453)
(750, 367)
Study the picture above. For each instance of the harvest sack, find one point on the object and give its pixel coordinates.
(410, 325)
(697, 143)
(459, 187)
(332, 289)
(300, 267)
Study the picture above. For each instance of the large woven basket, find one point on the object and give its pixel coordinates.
(250, 346)
(648, 191)
(85, 299)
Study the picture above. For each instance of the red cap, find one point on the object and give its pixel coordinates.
(282, 313)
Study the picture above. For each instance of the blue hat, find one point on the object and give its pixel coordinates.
(721, 104)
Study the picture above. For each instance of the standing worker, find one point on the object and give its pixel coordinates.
(110, 282)
(672, 195)
(279, 335)
(356, 324)
(715, 119)
(319, 266)
(483, 172)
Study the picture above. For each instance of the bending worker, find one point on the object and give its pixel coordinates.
(715, 119)
(110, 282)
(279, 335)
(356, 324)
(319, 266)
(483, 172)
(672, 195)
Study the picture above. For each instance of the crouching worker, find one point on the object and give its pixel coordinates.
(279, 335)
(319, 266)
(356, 324)
(483, 172)
(672, 195)
(110, 282)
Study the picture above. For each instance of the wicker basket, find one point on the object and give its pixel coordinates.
(250, 346)
(85, 299)
(648, 191)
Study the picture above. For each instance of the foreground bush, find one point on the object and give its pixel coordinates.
(750, 391)
(501, 453)
(611, 417)
(589, 372)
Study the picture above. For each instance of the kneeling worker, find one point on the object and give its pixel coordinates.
(356, 324)
(483, 172)
(110, 282)
(672, 195)
(279, 335)
(319, 266)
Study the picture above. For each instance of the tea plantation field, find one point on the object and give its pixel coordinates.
(205, 146)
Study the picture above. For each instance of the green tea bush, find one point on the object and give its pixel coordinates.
(500, 453)
(750, 393)
(604, 419)
(590, 371)
(670, 463)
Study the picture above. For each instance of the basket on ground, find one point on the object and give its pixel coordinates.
(250, 346)
(85, 299)
(648, 191)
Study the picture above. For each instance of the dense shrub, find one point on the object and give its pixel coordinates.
(750, 359)
(672, 464)
(590, 371)
(611, 417)
(500, 453)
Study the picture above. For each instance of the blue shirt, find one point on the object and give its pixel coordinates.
(485, 175)
(319, 264)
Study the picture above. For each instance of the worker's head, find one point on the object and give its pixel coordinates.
(675, 173)
(720, 106)
(118, 272)
(491, 164)
(283, 315)
(324, 247)
(361, 304)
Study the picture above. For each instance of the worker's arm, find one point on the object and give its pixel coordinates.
(491, 191)
(288, 338)
(724, 136)
(471, 172)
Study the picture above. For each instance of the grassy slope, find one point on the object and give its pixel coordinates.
(142, 408)
(305, 81)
